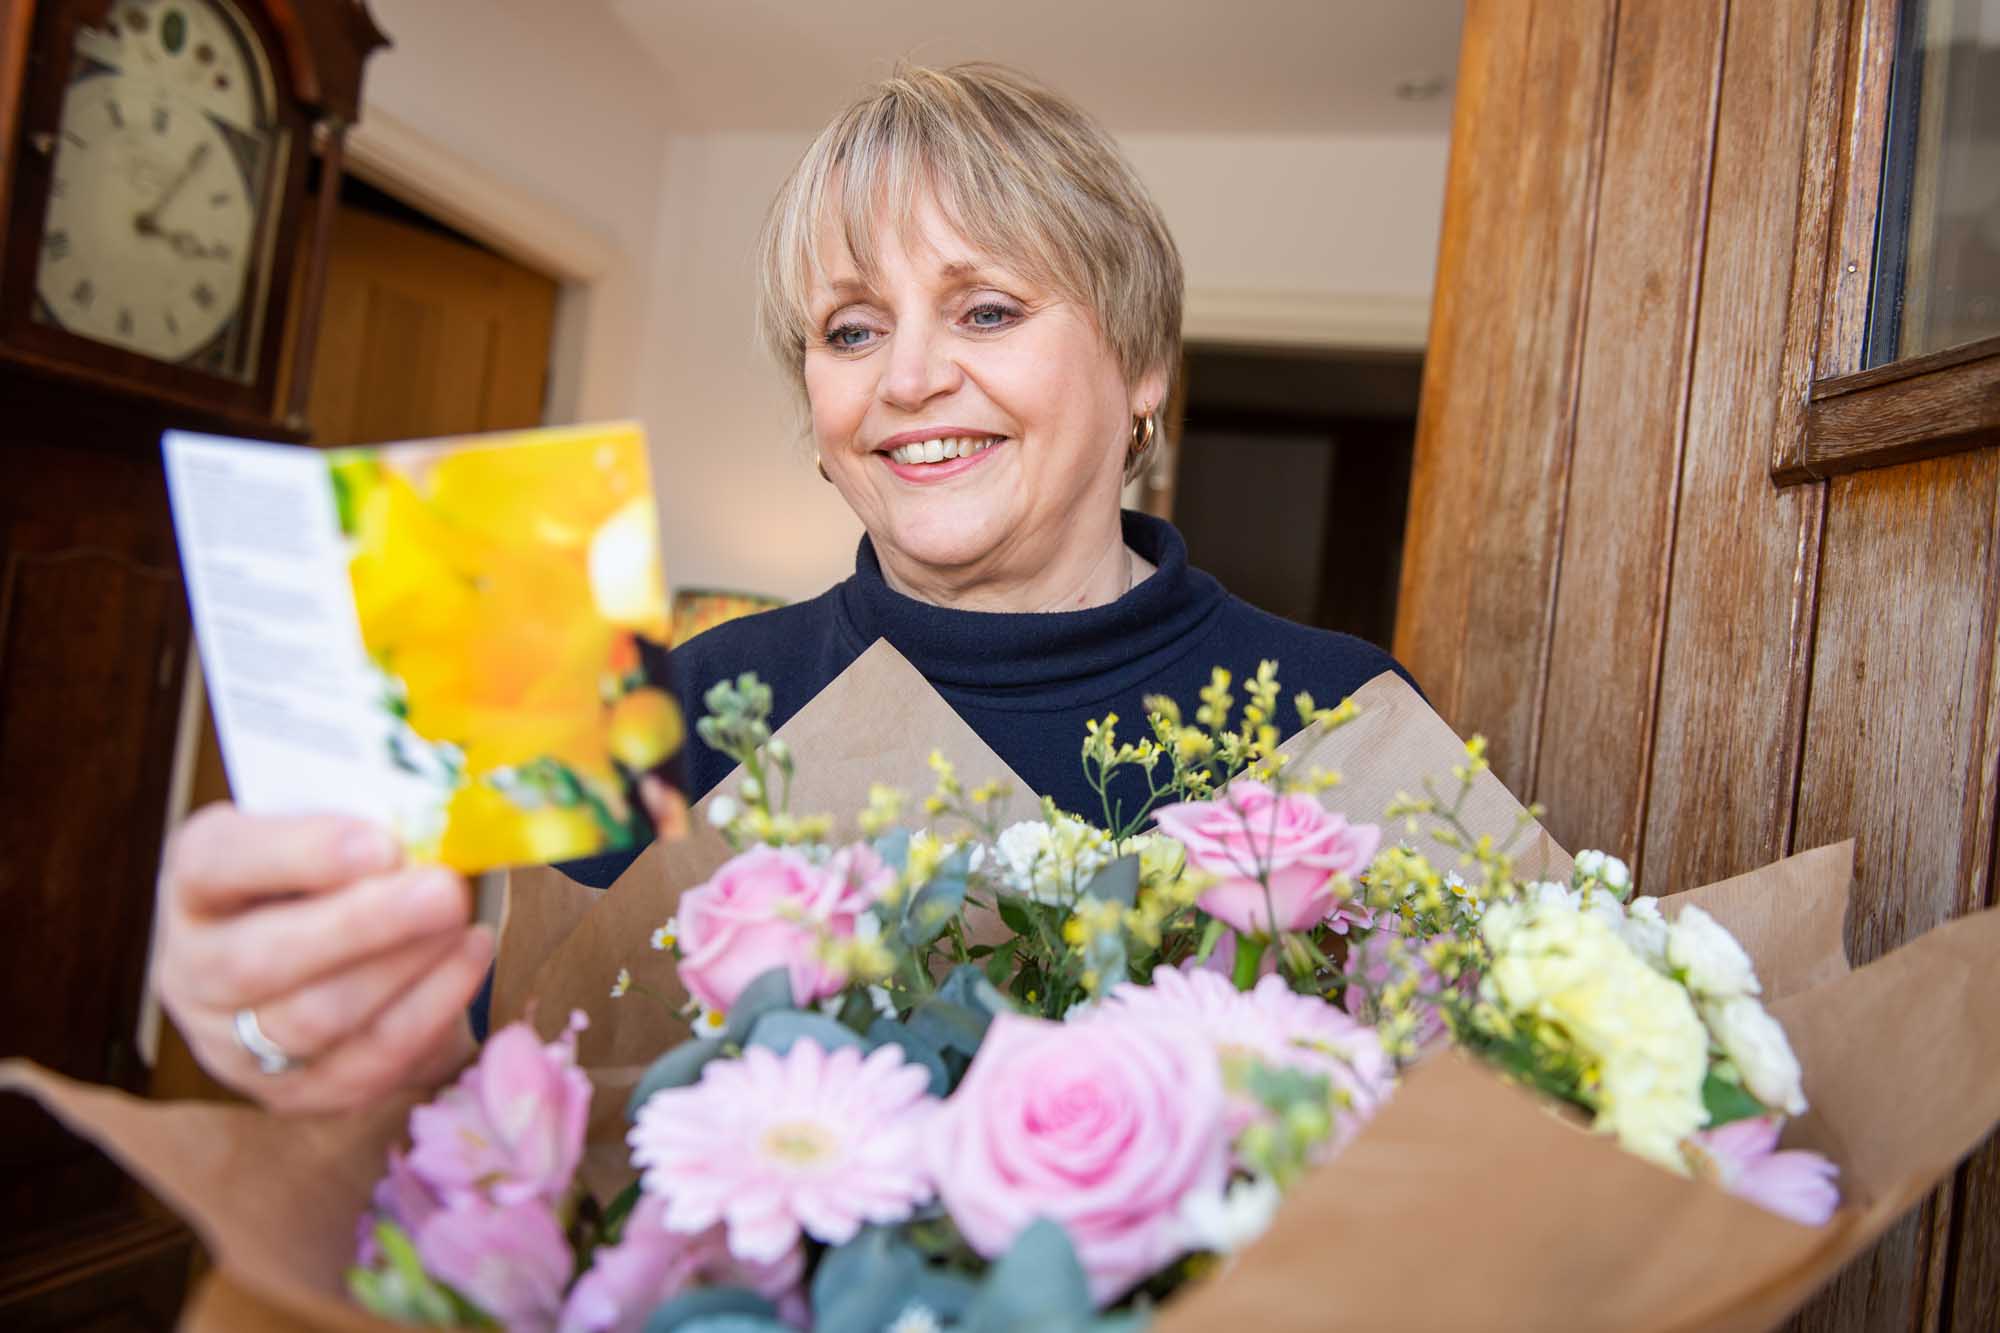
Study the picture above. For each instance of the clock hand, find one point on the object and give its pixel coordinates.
(187, 244)
(148, 222)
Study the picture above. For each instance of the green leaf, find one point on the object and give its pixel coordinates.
(705, 1307)
(612, 1224)
(678, 1068)
(950, 1026)
(1000, 966)
(894, 849)
(864, 1285)
(766, 992)
(934, 907)
(1727, 1101)
(782, 1028)
(857, 1011)
(1116, 883)
(1037, 1284)
(918, 1050)
(1016, 917)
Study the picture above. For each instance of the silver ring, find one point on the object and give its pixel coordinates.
(270, 1057)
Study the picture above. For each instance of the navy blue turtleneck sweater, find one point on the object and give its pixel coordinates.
(1026, 683)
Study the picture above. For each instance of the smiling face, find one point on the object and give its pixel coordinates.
(975, 421)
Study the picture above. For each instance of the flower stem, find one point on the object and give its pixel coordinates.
(1249, 953)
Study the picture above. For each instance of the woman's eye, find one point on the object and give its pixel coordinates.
(848, 336)
(989, 316)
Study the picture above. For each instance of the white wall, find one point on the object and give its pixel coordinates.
(556, 100)
(744, 508)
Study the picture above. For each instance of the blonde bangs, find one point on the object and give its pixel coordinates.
(1022, 174)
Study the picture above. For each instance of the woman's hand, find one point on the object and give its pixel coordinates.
(358, 968)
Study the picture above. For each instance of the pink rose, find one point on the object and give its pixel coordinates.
(1102, 1126)
(511, 1129)
(1742, 1157)
(769, 907)
(651, 1265)
(1249, 835)
(512, 1261)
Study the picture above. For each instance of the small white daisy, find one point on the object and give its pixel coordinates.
(665, 937)
(710, 1022)
(623, 984)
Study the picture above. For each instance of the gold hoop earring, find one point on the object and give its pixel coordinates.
(1144, 430)
(820, 463)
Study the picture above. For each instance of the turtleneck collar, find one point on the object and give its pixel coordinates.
(1046, 661)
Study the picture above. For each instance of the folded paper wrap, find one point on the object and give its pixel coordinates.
(1465, 1202)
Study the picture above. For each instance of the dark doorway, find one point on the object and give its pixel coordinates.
(1292, 480)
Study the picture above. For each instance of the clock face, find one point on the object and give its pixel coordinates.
(161, 177)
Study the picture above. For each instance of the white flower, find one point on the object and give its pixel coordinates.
(1051, 861)
(1596, 902)
(1702, 950)
(1756, 1045)
(1161, 859)
(1226, 1222)
(916, 1318)
(1573, 970)
(622, 984)
(722, 811)
(1645, 931)
(710, 1022)
(1606, 869)
(664, 938)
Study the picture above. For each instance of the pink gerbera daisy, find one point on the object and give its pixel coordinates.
(1272, 1024)
(1742, 1157)
(773, 1145)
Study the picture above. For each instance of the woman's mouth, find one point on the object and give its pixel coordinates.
(939, 457)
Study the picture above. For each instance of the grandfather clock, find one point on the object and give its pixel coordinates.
(154, 160)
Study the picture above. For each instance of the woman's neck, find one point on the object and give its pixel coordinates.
(1076, 580)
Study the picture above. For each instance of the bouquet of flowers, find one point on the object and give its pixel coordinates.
(995, 1074)
(993, 1067)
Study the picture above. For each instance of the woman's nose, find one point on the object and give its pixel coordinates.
(920, 367)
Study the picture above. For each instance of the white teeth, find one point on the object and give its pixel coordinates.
(942, 448)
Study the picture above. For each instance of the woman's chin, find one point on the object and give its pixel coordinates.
(941, 535)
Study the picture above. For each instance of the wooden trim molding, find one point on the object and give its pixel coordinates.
(1920, 407)
(1307, 319)
(397, 158)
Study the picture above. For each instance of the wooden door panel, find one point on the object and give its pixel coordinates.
(424, 335)
(1899, 756)
(1524, 160)
(1624, 467)
(1732, 661)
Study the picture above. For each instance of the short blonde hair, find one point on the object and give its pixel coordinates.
(1022, 173)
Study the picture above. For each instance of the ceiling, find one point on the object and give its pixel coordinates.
(1188, 66)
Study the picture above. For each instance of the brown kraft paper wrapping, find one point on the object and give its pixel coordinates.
(1464, 1203)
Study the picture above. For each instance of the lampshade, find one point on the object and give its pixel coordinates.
(697, 609)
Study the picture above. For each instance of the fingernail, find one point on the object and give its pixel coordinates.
(366, 849)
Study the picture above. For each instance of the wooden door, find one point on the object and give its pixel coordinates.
(1713, 597)
(423, 335)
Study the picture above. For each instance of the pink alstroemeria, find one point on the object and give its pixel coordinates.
(511, 1129)
(651, 1265)
(1271, 855)
(511, 1260)
(1742, 1157)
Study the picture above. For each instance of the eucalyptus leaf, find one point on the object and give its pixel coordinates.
(766, 992)
(934, 907)
(866, 1284)
(950, 1026)
(916, 1049)
(676, 1069)
(781, 1028)
(966, 984)
(894, 849)
(1037, 1285)
(703, 1307)
(1116, 883)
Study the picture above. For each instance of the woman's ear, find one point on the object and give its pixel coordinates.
(1149, 393)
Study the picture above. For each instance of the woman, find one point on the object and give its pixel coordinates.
(982, 308)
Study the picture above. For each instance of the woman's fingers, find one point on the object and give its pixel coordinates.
(416, 1038)
(223, 860)
(257, 955)
(667, 807)
(321, 1014)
